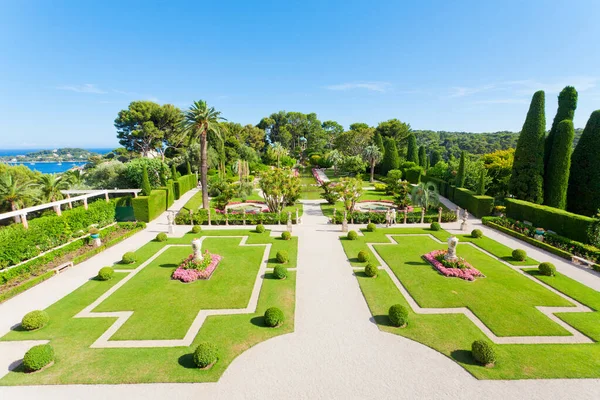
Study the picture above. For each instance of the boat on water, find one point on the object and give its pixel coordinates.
(59, 163)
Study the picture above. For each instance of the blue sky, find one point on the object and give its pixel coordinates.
(67, 68)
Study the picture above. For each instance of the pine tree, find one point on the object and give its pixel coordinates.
(557, 172)
(567, 103)
(481, 187)
(461, 175)
(391, 160)
(422, 157)
(413, 150)
(583, 196)
(146, 188)
(527, 179)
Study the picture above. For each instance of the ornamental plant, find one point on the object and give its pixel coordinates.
(105, 274)
(205, 355)
(398, 315)
(280, 272)
(161, 237)
(35, 320)
(282, 256)
(547, 269)
(519, 254)
(38, 357)
(285, 235)
(196, 229)
(371, 227)
(260, 228)
(352, 235)
(371, 270)
(274, 317)
(128, 258)
(476, 233)
(483, 353)
(363, 256)
(435, 226)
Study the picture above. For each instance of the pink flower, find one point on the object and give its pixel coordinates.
(190, 275)
(466, 272)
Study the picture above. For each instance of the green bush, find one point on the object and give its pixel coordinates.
(35, 320)
(147, 208)
(479, 206)
(519, 255)
(380, 187)
(371, 227)
(363, 256)
(105, 273)
(371, 270)
(280, 272)
(260, 228)
(352, 235)
(282, 256)
(285, 235)
(413, 175)
(435, 226)
(483, 353)
(547, 269)
(398, 315)
(196, 229)
(476, 233)
(274, 317)
(161, 237)
(205, 355)
(38, 357)
(129, 258)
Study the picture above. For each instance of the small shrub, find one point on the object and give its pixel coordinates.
(547, 269)
(260, 228)
(105, 273)
(128, 258)
(476, 233)
(35, 320)
(483, 353)
(398, 315)
(280, 272)
(380, 187)
(38, 357)
(205, 355)
(352, 235)
(519, 255)
(435, 226)
(196, 229)
(161, 237)
(274, 317)
(371, 270)
(363, 256)
(371, 227)
(282, 257)
(285, 235)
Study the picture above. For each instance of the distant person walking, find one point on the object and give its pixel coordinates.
(393, 217)
(388, 217)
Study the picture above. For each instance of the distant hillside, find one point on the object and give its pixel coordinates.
(63, 154)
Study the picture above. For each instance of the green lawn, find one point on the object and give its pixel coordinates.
(309, 190)
(335, 178)
(194, 203)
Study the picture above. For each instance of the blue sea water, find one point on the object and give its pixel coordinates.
(48, 167)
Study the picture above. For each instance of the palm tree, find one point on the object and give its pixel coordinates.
(199, 122)
(425, 195)
(50, 186)
(278, 151)
(15, 192)
(74, 176)
(372, 155)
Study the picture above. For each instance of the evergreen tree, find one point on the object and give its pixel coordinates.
(378, 141)
(557, 172)
(188, 168)
(526, 181)
(391, 160)
(481, 187)
(413, 150)
(173, 172)
(146, 188)
(583, 196)
(435, 157)
(461, 175)
(422, 157)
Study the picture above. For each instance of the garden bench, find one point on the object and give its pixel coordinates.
(62, 267)
(582, 261)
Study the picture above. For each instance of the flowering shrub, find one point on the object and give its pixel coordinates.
(190, 270)
(318, 177)
(460, 269)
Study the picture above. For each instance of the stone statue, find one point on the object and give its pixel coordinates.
(451, 255)
(289, 221)
(464, 226)
(197, 247)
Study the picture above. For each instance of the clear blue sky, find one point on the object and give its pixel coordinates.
(67, 68)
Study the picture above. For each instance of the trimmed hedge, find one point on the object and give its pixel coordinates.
(371, 227)
(435, 226)
(379, 218)
(183, 184)
(476, 233)
(35, 320)
(201, 218)
(105, 273)
(519, 254)
(363, 256)
(280, 272)
(547, 269)
(398, 315)
(274, 317)
(128, 258)
(170, 193)
(285, 235)
(564, 223)
(147, 208)
(483, 353)
(352, 235)
(260, 228)
(282, 257)
(479, 206)
(414, 174)
(205, 355)
(161, 237)
(38, 357)
(371, 270)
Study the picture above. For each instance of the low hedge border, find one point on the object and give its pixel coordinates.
(26, 285)
(201, 218)
(379, 218)
(147, 208)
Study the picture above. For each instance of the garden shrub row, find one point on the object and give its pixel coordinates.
(184, 184)
(564, 223)
(147, 208)
(200, 217)
(379, 218)
(169, 188)
(479, 206)
(18, 244)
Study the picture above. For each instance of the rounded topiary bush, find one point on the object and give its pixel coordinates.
(260, 228)
(282, 256)
(398, 315)
(285, 235)
(435, 226)
(352, 235)
(38, 357)
(274, 317)
(161, 237)
(205, 355)
(196, 229)
(476, 233)
(371, 227)
(363, 256)
(280, 272)
(35, 320)
(483, 353)
(128, 258)
(519, 254)
(371, 270)
(105, 273)
(547, 269)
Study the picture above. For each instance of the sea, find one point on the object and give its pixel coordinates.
(48, 167)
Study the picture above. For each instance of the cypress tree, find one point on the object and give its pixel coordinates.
(481, 187)
(378, 141)
(413, 150)
(435, 157)
(557, 172)
(188, 168)
(391, 160)
(527, 179)
(173, 172)
(422, 157)
(461, 175)
(146, 188)
(583, 196)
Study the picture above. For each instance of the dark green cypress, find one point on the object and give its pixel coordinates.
(163, 175)
(435, 157)
(422, 157)
(461, 174)
(527, 179)
(146, 188)
(583, 195)
(188, 168)
(481, 188)
(391, 160)
(378, 141)
(413, 150)
(557, 172)
(173, 172)
(567, 103)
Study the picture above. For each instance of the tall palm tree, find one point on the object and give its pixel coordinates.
(15, 193)
(50, 186)
(199, 122)
(278, 151)
(372, 155)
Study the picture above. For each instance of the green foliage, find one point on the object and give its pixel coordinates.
(380, 187)
(483, 352)
(105, 273)
(527, 178)
(434, 157)
(280, 188)
(128, 258)
(425, 195)
(422, 157)
(352, 165)
(147, 208)
(481, 188)
(285, 235)
(398, 315)
(547, 269)
(583, 195)
(378, 141)
(476, 233)
(519, 254)
(391, 160)
(461, 175)
(134, 172)
(330, 194)
(161, 237)
(413, 175)
(183, 184)
(435, 226)
(567, 103)
(349, 190)
(260, 228)
(205, 355)
(274, 317)
(363, 256)
(412, 153)
(35, 320)
(393, 181)
(280, 272)
(559, 163)
(371, 270)
(146, 188)
(38, 357)
(371, 227)
(282, 257)
(352, 235)
(196, 229)
(498, 166)
(479, 206)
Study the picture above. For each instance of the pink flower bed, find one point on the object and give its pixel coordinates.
(186, 274)
(466, 271)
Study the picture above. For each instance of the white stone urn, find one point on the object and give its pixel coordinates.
(197, 247)
(451, 255)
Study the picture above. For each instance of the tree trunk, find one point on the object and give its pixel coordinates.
(14, 207)
(204, 170)
(372, 170)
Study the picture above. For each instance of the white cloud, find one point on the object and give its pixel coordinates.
(461, 91)
(85, 88)
(373, 86)
(502, 101)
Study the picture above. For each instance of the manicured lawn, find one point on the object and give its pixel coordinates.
(335, 178)
(194, 203)
(308, 185)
